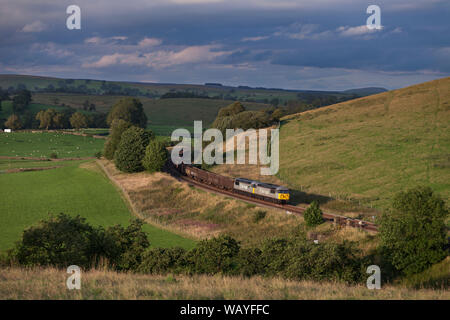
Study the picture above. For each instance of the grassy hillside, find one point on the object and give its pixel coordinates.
(48, 284)
(28, 197)
(367, 149)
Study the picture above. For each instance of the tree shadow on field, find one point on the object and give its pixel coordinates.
(298, 197)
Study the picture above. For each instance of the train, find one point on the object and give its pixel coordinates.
(255, 189)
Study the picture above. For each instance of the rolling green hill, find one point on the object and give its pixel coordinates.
(194, 102)
(367, 149)
(155, 90)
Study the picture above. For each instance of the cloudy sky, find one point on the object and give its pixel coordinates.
(292, 44)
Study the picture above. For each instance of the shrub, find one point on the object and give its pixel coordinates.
(98, 154)
(212, 256)
(249, 262)
(155, 156)
(326, 261)
(117, 128)
(259, 215)
(60, 241)
(313, 214)
(273, 257)
(413, 234)
(125, 247)
(131, 149)
(63, 240)
(163, 261)
(53, 155)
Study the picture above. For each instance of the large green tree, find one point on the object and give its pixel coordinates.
(45, 118)
(131, 149)
(78, 120)
(13, 122)
(118, 127)
(413, 235)
(21, 101)
(234, 116)
(130, 110)
(155, 156)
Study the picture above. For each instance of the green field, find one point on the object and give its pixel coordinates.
(368, 149)
(6, 164)
(6, 109)
(28, 197)
(42, 144)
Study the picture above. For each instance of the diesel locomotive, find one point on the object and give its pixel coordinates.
(255, 189)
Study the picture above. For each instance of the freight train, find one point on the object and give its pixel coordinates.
(255, 189)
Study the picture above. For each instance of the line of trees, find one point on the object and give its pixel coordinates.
(236, 116)
(130, 145)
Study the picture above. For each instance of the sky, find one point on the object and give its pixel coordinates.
(290, 44)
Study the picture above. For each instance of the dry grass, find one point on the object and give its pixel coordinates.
(175, 206)
(49, 283)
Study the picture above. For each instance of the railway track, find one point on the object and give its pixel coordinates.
(328, 217)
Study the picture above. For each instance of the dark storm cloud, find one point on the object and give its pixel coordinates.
(292, 44)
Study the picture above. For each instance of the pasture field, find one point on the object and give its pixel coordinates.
(40, 283)
(28, 197)
(6, 164)
(42, 144)
(6, 109)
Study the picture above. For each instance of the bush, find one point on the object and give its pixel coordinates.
(413, 235)
(163, 260)
(125, 247)
(64, 240)
(53, 155)
(313, 214)
(214, 256)
(273, 257)
(117, 128)
(131, 149)
(249, 262)
(155, 156)
(98, 154)
(259, 215)
(60, 241)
